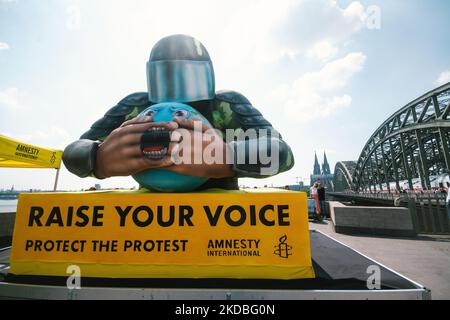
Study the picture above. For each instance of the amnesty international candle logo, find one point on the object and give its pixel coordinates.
(53, 158)
(283, 250)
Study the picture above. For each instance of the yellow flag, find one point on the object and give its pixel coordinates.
(16, 154)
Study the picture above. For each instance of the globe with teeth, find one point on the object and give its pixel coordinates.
(156, 150)
(155, 146)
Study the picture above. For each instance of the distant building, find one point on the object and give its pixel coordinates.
(322, 175)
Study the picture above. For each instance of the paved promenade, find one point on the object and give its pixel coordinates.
(424, 259)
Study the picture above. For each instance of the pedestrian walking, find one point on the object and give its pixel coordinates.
(322, 203)
(447, 201)
(314, 195)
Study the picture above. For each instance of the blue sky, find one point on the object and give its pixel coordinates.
(325, 73)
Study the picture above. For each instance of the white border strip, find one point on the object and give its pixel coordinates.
(93, 293)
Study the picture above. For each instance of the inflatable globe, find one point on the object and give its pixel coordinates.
(164, 180)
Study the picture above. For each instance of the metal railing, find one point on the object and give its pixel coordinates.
(436, 196)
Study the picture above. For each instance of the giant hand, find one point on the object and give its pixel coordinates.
(121, 155)
(210, 152)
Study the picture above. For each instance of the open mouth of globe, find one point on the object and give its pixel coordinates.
(155, 153)
(155, 143)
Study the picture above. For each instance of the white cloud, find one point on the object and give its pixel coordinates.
(332, 25)
(354, 16)
(444, 77)
(334, 75)
(313, 95)
(9, 98)
(249, 30)
(4, 46)
(51, 137)
(312, 106)
(354, 11)
(265, 31)
(322, 51)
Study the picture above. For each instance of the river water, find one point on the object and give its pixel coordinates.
(8, 205)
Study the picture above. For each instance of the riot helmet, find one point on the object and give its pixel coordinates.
(180, 70)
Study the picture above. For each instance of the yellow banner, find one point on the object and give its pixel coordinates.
(16, 154)
(196, 235)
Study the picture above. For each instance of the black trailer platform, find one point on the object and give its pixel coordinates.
(341, 273)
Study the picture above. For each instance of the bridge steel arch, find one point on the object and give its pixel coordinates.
(343, 176)
(411, 144)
